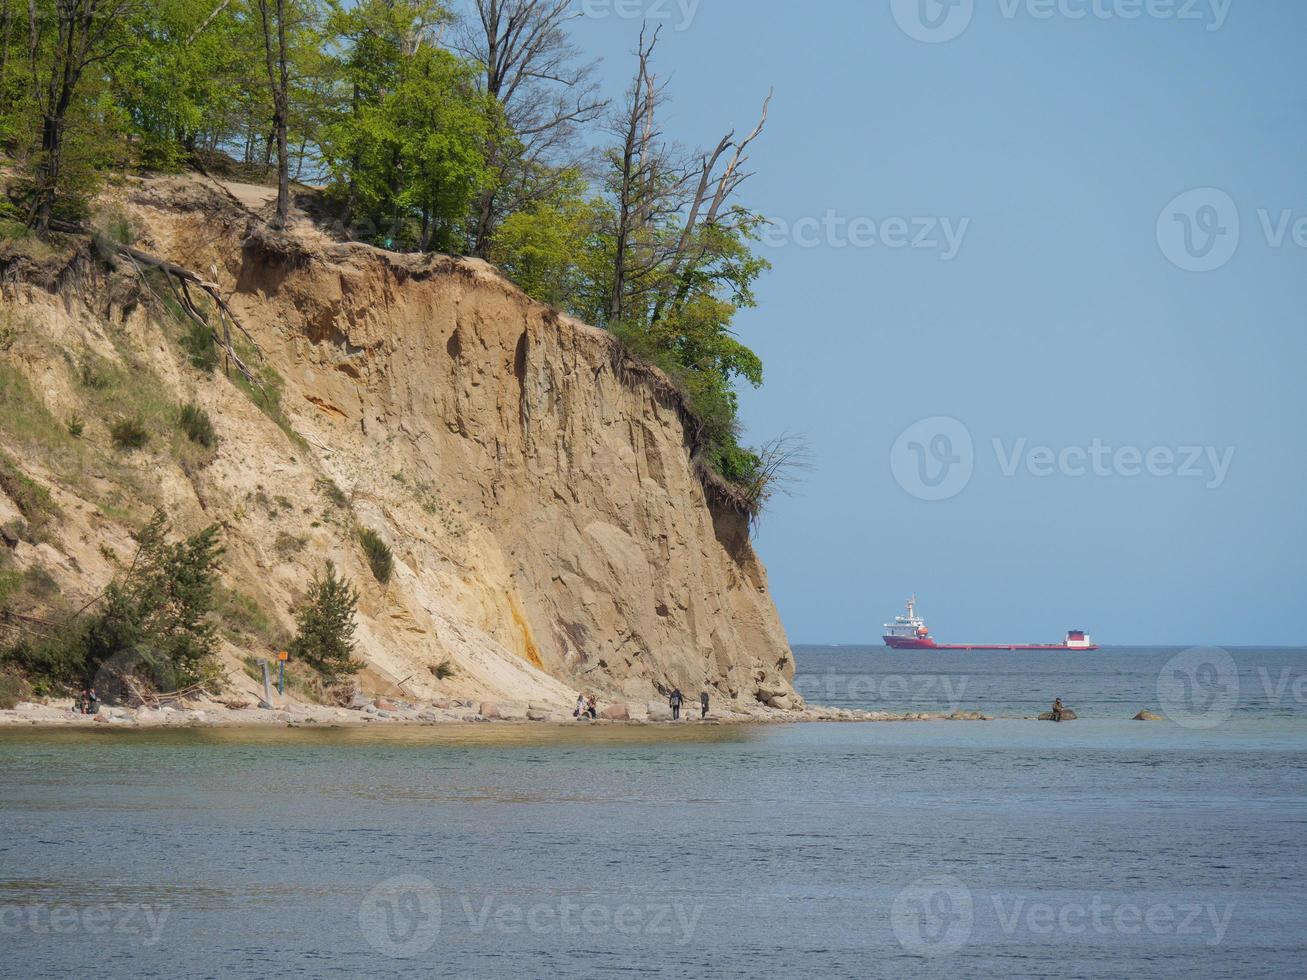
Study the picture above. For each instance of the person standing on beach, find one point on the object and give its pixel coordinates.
(675, 701)
(703, 704)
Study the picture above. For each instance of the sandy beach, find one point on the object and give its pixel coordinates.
(60, 713)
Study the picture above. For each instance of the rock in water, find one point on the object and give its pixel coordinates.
(1146, 715)
(1067, 715)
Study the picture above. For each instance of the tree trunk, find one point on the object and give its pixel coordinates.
(637, 136)
(283, 111)
(279, 83)
(485, 226)
(38, 218)
(70, 55)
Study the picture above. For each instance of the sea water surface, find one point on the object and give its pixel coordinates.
(1100, 848)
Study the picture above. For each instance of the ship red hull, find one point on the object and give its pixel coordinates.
(907, 643)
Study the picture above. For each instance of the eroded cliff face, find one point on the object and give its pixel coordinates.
(549, 530)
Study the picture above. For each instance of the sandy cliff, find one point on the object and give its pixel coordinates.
(548, 526)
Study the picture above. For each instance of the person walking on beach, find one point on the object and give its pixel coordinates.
(703, 704)
(675, 701)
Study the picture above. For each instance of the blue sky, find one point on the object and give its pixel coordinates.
(1064, 314)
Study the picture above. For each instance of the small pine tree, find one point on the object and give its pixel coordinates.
(326, 624)
(151, 626)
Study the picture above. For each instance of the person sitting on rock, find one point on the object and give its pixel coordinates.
(580, 706)
(675, 702)
(1058, 708)
(591, 707)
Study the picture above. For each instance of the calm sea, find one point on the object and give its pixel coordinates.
(1102, 848)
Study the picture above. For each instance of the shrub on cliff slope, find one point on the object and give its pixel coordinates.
(129, 433)
(12, 690)
(380, 558)
(197, 425)
(151, 626)
(326, 624)
(33, 500)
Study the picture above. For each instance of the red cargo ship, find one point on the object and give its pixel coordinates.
(910, 633)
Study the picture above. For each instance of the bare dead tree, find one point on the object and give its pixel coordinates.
(648, 184)
(180, 281)
(532, 70)
(781, 462)
(84, 38)
(279, 85)
(713, 193)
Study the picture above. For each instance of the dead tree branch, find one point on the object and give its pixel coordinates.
(180, 280)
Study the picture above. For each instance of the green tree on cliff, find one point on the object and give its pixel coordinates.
(325, 626)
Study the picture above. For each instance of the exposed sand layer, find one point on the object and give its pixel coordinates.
(551, 531)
